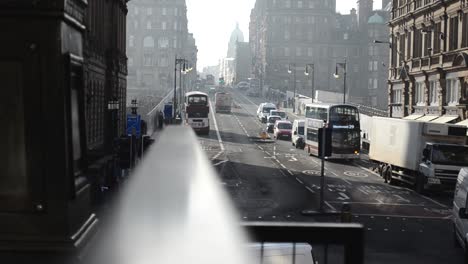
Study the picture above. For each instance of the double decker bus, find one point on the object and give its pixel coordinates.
(344, 121)
(197, 109)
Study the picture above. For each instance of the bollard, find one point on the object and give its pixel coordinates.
(346, 213)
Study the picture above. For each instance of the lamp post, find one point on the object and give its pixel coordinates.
(294, 83)
(307, 73)
(336, 75)
(182, 68)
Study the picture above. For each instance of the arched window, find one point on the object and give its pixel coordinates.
(148, 42)
(163, 42)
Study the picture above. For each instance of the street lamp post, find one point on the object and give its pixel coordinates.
(294, 83)
(307, 73)
(336, 75)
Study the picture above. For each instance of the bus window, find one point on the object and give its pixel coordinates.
(312, 134)
(200, 100)
(322, 114)
(311, 112)
(344, 114)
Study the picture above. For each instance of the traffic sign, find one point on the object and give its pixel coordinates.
(134, 125)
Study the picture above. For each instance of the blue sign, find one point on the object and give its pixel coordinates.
(134, 125)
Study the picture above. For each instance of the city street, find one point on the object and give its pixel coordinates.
(275, 182)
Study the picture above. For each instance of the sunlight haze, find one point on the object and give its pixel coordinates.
(212, 21)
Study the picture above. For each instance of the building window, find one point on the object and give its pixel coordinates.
(286, 34)
(299, 4)
(370, 65)
(309, 52)
(131, 41)
(376, 65)
(130, 61)
(396, 96)
(148, 42)
(135, 24)
(298, 52)
(149, 11)
(163, 42)
(148, 60)
(369, 85)
(164, 11)
(286, 51)
(427, 43)
(175, 43)
(419, 93)
(163, 25)
(452, 91)
(163, 62)
(437, 38)
(135, 10)
(374, 101)
(453, 33)
(175, 25)
(311, 4)
(148, 25)
(465, 30)
(356, 68)
(376, 83)
(345, 36)
(417, 43)
(288, 3)
(371, 50)
(433, 98)
(176, 11)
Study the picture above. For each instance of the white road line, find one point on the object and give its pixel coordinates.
(434, 201)
(299, 180)
(259, 147)
(331, 206)
(284, 167)
(290, 173)
(221, 162)
(348, 182)
(221, 145)
(389, 204)
(310, 190)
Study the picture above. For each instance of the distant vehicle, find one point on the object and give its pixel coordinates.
(346, 129)
(210, 79)
(254, 88)
(243, 86)
(263, 111)
(422, 154)
(197, 110)
(282, 129)
(297, 137)
(459, 211)
(280, 113)
(223, 102)
(212, 90)
(271, 122)
(283, 253)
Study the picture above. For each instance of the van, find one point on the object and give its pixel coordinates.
(264, 110)
(297, 137)
(460, 212)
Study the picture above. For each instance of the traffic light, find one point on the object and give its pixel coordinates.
(328, 141)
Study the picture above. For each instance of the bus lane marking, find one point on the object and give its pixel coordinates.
(220, 140)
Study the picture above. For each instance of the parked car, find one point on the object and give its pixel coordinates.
(298, 135)
(264, 110)
(280, 113)
(282, 129)
(459, 211)
(271, 123)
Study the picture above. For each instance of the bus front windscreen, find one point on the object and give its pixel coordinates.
(344, 115)
(197, 100)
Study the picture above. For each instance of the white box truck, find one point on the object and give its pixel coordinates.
(223, 102)
(423, 154)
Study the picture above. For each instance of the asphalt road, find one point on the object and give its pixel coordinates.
(276, 182)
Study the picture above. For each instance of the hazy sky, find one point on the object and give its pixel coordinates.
(212, 22)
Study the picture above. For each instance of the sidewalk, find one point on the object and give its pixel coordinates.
(295, 115)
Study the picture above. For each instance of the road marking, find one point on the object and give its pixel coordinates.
(274, 150)
(434, 201)
(221, 162)
(299, 180)
(290, 173)
(220, 141)
(348, 182)
(284, 167)
(401, 199)
(310, 190)
(343, 196)
(355, 174)
(331, 206)
(366, 169)
(240, 150)
(389, 204)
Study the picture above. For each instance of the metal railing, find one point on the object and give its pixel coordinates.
(174, 209)
(370, 111)
(151, 117)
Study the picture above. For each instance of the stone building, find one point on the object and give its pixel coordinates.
(291, 34)
(242, 62)
(428, 72)
(157, 34)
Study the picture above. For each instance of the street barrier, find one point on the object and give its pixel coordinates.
(151, 117)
